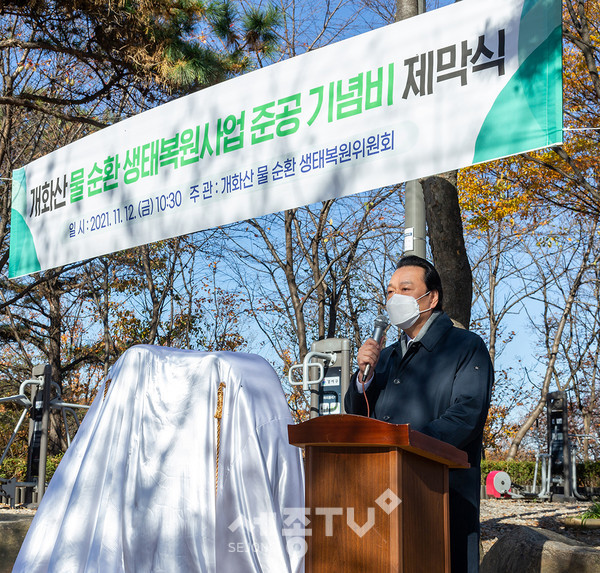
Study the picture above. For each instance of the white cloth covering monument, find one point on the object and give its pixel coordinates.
(154, 482)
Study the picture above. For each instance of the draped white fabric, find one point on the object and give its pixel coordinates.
(135, 492)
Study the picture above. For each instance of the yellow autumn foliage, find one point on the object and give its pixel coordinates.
(524, 189)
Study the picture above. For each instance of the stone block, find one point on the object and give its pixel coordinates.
(13, 529)
(536, 550)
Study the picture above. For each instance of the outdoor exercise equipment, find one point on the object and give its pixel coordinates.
(38, 405)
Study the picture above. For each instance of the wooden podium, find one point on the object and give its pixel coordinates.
(376, 496)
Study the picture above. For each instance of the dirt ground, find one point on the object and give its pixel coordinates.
(499, 515)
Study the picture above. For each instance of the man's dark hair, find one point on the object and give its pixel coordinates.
(432, 278)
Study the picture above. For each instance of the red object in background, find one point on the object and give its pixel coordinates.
(497, 483)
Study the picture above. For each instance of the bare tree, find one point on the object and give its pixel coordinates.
(303, 269)
(564, 272)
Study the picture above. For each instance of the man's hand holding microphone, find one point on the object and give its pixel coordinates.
(368, 354)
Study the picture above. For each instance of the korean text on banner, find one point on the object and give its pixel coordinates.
(467, 83)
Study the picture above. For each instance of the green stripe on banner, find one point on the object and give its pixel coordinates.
(534, 121)
(23, 258)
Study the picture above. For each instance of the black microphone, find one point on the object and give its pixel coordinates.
(379, 327)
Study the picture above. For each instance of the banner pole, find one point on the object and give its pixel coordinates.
(414, 202)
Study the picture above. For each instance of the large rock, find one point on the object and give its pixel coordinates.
(13, 529)
(535, 550)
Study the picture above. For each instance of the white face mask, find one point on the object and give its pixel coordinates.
(403, 310)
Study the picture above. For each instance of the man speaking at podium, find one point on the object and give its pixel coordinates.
(437, 378)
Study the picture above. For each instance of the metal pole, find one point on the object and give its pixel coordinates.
(414, 220)
(567, 469)
(414, 203)
(409, 8)
(44, 438)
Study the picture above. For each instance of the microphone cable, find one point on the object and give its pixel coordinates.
(366, 399)
(379, 328)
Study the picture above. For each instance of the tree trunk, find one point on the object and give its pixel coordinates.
(290, 276)
(587, 419)
(445, 230)
(56, 438)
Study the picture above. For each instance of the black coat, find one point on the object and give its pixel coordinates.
(441, 387)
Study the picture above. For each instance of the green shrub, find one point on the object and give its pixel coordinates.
(14, 468)
(51, 465)
(592, 512)
(17, 467)
(521, 472)
(588, 474)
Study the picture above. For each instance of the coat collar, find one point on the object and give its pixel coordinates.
(437, 325)
(440, 324)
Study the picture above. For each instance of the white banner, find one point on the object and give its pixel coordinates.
(471, 82)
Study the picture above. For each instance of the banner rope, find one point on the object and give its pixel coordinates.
(106, 387)
(218, 416)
